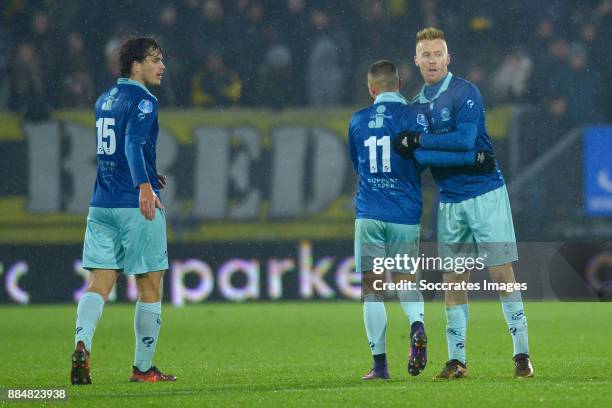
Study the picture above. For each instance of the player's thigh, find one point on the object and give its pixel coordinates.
(369, 243)
(490, 218)
(455, 237)
(102, 247)
(145, 242)
(403, 242)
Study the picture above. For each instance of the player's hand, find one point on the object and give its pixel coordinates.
(161, 179)
(484, 161)
(406, 142)
(148, 201)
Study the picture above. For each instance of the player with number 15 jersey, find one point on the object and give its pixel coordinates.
(126, 119)
(126, 223)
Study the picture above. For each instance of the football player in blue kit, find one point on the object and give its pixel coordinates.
(126, 224)
(388, 208)
(474, 216)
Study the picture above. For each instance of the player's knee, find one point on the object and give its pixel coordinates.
(368, 283)
(403, 277)
(149, 281)
(454, 277)
(502, 273)
(455, 297)
(103, 291)
(102, 282)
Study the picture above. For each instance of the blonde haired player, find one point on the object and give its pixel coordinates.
(474, 216)
(388, 207)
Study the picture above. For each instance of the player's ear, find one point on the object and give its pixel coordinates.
(372, 91)
(135, 67)
(416, 61)
(448, 59)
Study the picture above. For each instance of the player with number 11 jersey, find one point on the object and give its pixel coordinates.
(389, 186)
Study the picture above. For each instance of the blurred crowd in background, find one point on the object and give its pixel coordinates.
(553, 54)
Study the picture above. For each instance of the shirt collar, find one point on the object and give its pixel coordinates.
(443, 88)
(127, 81)
(390, 97)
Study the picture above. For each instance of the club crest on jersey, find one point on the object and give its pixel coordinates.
(422, 120)
(445, 114)
(145, 106)
(470, 103)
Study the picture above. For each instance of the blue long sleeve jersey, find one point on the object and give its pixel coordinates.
(126, 140)
(389, 186)
(456, 116)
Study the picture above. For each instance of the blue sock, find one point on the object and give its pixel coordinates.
(89, 311)
(375, 319)
(147, 321)
(514, 312)
(412, 303)
(456, 328)
(380, 361)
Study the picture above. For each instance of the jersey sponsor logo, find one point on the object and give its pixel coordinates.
(378, 118)
(145, 106)
(445, 114)
(470, 103)
(443, 130)
(108, 102)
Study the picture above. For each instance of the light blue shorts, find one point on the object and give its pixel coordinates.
(121, 238)
(379, 239)
(480, 226)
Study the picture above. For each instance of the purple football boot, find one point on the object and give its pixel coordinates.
(417, 360)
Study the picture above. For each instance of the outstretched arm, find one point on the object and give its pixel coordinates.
(463, 139)
(481, 161)
(436, 158)
(467, 118)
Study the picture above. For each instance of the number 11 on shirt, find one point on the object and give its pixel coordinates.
(371, 144)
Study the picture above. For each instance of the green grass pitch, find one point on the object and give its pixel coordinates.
(311, 354)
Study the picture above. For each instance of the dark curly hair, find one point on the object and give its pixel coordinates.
(136, 49)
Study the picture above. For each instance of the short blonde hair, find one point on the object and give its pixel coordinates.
(430, 33)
